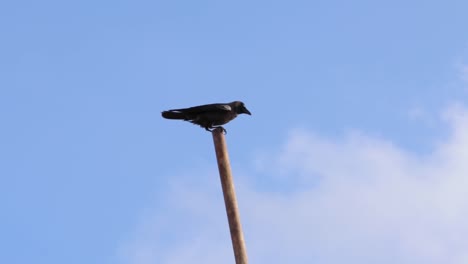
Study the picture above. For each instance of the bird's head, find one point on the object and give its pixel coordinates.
(240, 107)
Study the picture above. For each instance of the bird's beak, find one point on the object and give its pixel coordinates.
(244, 110)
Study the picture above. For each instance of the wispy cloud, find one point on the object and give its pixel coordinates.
(360, 200)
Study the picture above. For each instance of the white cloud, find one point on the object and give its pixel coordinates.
(356, 200)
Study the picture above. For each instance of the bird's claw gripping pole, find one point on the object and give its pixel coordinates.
(211, 129)
(223, 130)
(229, 193)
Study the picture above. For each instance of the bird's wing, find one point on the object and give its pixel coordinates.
(204, 108)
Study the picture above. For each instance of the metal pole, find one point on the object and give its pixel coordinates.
(235, 227)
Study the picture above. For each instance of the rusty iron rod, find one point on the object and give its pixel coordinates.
(229, 193)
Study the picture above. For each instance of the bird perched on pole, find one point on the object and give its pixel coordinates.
(210, 116)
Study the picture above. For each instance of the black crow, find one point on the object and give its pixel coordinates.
(210, 116)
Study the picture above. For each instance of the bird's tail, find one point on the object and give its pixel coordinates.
(172, 115)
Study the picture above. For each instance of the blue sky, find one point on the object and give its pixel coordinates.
(352, 103)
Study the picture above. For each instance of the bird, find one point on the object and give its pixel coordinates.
(209, 116)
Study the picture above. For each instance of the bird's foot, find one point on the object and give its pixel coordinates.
(211, 129)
